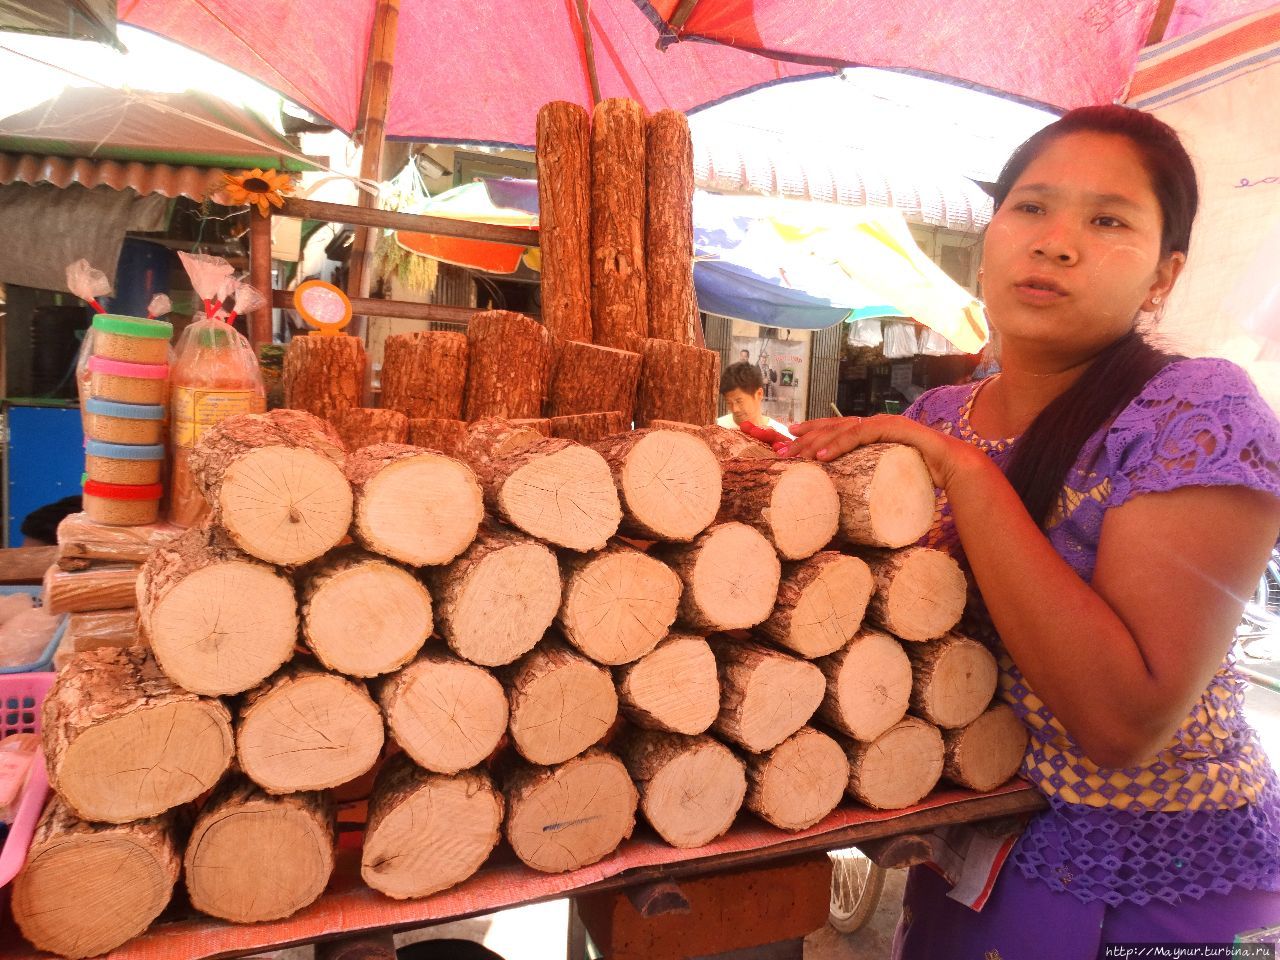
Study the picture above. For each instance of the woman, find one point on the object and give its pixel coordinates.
(1114, 506)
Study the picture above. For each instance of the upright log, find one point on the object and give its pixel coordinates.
(868, 685)
(898, 768)
(307, 729)
(510, 363)
(590, 379)
(677, 382)
(766, 696)
(564, 227)
(363, 427)
(498, 598)
(675, 688)
(618, 310)
(413, 505)
(424, 374)
(668, 483)
(821, 602)
(568, 816)
(219, 621)
(442, 436)
(587, 428)
(362, 614)
(886, 495)
(561, 703)
(122, 742)
(445, 713)
(987, 752)
(691, 788)
(87, 887)
(792, 502)
(274, 482)
(799, 781)
(428, 832)
(294, 834)
(954, 680)
(730, 575)
(617, 603)
(920, 592)
(324, 375)
(669, 227)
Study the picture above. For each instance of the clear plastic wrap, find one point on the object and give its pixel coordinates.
(866, 332)
(160, 305)
(934, 344)
(102, 628)
(12, 604)
(81, 539)
(17, 752)
(899, 339)
(23, 637)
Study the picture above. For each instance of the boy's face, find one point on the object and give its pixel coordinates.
(744, 406)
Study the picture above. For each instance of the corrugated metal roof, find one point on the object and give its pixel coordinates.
(733, 164)
(145, 178)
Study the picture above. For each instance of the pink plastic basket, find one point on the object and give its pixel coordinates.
(21, 696)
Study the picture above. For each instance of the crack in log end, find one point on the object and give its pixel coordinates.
(566, 824)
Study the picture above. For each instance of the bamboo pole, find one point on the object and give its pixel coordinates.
(259, 321)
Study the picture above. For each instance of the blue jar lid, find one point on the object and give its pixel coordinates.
(126, 411)
(124, 451)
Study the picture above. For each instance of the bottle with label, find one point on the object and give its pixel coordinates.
(215, 376)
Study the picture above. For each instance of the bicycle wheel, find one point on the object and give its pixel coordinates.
(856, 885)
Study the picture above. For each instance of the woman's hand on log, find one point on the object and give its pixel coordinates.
(825, 440)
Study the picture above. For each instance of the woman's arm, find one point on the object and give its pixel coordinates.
(1119, 662)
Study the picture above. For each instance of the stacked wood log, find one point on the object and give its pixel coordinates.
(886, 495)
(618, 604)
(730, 575)
(561, 703)
(424, 374)
(619, 311)
(799, 781)
(510, 363)
(677, 382)
(690, 787)
(868, 685)
(675, 688)
(920, 592)
(954, 679)
(821, 603)
(766, 696)
(587, 428)
(593, 379)
(564, 221)
(669, 483)
(672, 304)
(324, 375)
(792, 502)
(985, 753)
(898, 768)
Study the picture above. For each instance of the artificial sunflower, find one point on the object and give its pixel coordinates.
(257, 188)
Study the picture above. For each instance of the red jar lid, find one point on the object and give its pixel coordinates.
(123, 491)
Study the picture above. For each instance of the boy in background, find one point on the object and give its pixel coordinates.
(742, 387)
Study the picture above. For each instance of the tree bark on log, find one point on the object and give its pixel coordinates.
(295, 835)
(588, 428)
(412, 505)
(617, 604)
(445, 713)
(324, 375)
(510, 366)
(424, 374)
(920, 592)
(219, 621)
(363, 615)
(495, 437)
(669, 228)
(799, 781)
(564, 227)
(618, 310)
(868, 685)
(677, 382)
(734, 444)
(986, 753)
(766, 696)
(572, 815)
(730, 575)
(954, 680)
(691, 788)
(898, 768)
(593, 379)
(427, 832)
(364, 427)
(122, 742)
(821, 603)
(498, 598)
(554, 490)
(792, 502)
(307, 729)
(675, 688)
(442, 436)
(668, 483)
(274, 482)
(86, 888)
(561, 703)
(887, 497)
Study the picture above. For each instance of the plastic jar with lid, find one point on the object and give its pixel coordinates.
(131, 339)
(136, 423)
(122, 505)
(123, 462)
(128, 382)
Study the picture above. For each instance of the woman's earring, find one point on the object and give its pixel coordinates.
(1156, 300)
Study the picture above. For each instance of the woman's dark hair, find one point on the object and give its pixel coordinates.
(1047, 449)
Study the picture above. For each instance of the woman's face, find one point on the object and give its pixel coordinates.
(1073, 253)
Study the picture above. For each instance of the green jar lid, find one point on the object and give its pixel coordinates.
(133, 326)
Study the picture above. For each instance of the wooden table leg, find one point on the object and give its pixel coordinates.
(364, 946)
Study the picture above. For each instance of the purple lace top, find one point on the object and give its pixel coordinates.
(1203, 814)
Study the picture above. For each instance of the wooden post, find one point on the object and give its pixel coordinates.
(372, 125)
(259, 320)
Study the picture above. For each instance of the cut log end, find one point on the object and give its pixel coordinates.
(565, 496)
(955, 679)
(669, 483)
(821, 603)
(899, 768)
(617, 604)
(793, 503)
(691, 788)
(565, 817)
(920, 593)
(799, 781)
(561, 704)
(988, 752)
(730, 575)
(767, 695)
(675, 688)
(887, 497)
(868, 685)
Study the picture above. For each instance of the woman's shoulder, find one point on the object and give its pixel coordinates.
(1200, 380)
(941, 404)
